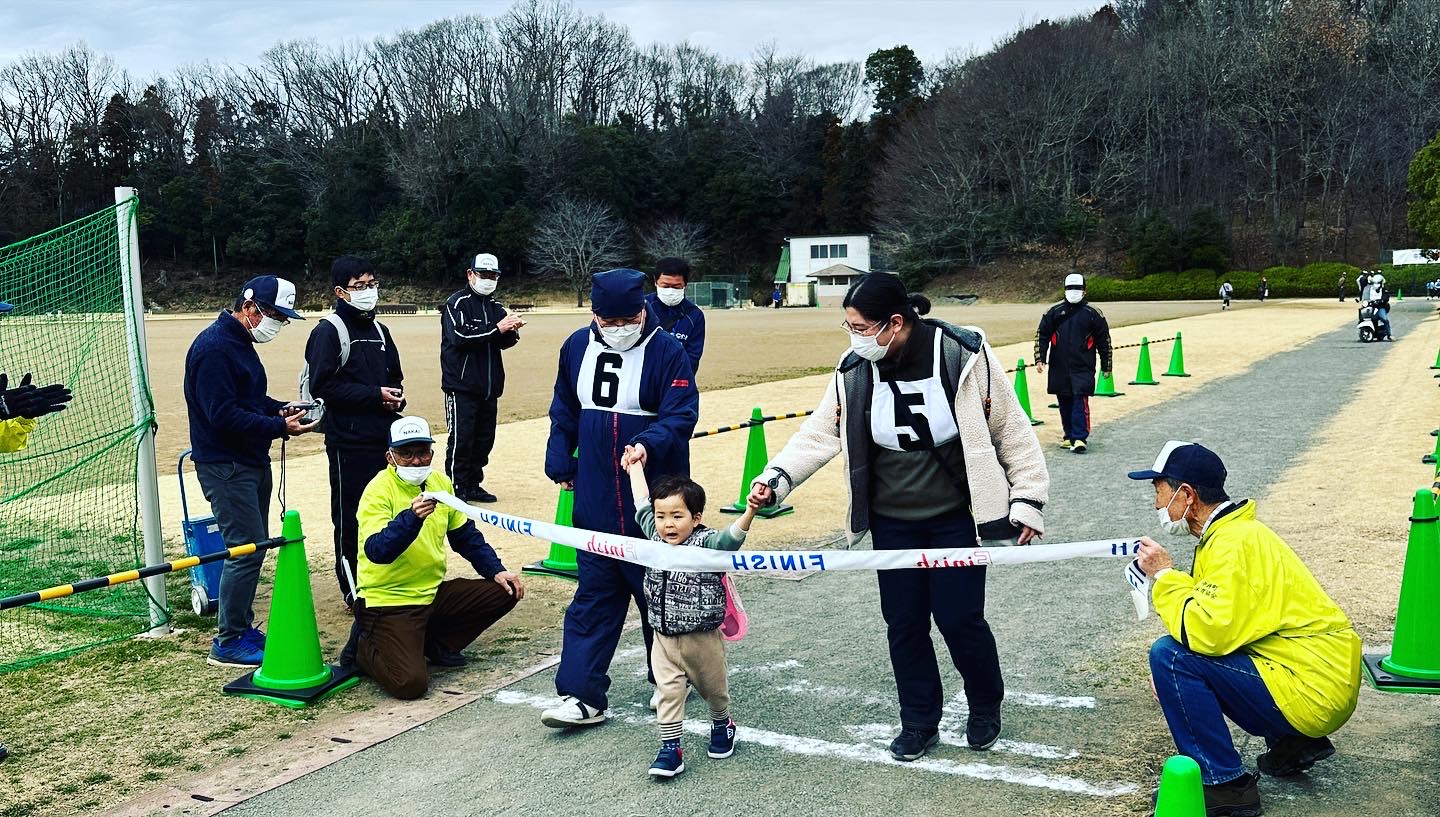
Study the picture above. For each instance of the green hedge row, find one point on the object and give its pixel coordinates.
(1316, 280)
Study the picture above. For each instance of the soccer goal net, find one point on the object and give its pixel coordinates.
(70, 500)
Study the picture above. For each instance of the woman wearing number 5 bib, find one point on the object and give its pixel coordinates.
(938, 452)
(622, 381)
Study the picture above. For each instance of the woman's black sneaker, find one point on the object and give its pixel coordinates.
(982, 729)
(1293, 755)
(913, 742)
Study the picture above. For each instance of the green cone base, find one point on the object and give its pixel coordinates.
(1111, 394)
(1428, 459)
(1387, 681)
(1144, 382)
(245, 687)
(1169, 374)
(764, 513)
(544, 569)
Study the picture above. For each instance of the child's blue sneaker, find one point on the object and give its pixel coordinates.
(670, 761)
(722, 739)
(235, 652)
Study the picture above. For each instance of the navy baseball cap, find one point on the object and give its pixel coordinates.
(1191, 463)
(619, 293)
(273, 293)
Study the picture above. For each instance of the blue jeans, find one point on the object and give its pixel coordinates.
(1197, 692)
(955, 598)
(239, 496)
(1074, 415)
(1385, 321)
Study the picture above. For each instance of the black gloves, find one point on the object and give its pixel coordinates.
(30, 401)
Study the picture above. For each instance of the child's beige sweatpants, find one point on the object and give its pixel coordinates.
(696, 657)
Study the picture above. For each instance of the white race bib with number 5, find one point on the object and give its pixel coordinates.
(610, 380)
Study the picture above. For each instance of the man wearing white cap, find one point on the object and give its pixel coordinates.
(1252, 636)
(1070, 335)
(407, 612)
(232, 423)
(474, 330)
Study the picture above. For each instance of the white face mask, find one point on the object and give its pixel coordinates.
(869, 346)
(413, 474)
(670, 296)
(366, 299)
(267, 330)
(1074, 296)
(1174, 527)
(483, 286)
(621, 338)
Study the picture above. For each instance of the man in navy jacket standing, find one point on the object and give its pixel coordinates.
(232, 423)
(474, 330)
(676, 313)
(360, 382)
(622, 381)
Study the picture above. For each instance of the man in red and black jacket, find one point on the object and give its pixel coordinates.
(1069, 337)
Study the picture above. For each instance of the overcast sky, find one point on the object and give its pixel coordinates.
(148, 37)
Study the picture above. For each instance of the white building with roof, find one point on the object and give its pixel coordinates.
(817, 270)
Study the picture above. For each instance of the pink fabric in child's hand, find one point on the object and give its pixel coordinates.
(736, 623)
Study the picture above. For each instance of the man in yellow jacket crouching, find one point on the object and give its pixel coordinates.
(1253, 637)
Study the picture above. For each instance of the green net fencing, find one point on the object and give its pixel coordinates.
(69, 506)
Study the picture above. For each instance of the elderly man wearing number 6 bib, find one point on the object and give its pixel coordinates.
(622, 381)
(935, 441)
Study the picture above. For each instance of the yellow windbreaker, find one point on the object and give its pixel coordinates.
(15, 434)
(1250, 592)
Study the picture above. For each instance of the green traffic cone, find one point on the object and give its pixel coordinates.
(561, 561)
(1022, 392)
(1182, 794)
(1437, 362)
(1177, 359)
(1105, 386)
(1433, 458)
(1413, 664)
(1399, 294)
(293, 672)
(756, 456)
(1143, 375)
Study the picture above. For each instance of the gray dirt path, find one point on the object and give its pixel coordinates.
(815, 699)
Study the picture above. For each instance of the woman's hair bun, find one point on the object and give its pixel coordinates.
(919, 303)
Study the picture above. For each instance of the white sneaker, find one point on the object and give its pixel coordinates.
(571, 712)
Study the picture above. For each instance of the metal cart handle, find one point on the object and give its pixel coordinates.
(180, 472)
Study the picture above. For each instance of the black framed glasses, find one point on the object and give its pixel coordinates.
(364, 285)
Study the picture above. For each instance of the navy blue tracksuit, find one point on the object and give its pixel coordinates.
(685, 321)
(604, 400)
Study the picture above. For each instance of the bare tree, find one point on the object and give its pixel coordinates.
(676, 238)
(577, 238)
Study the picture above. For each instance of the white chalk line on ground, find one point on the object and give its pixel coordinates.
(950, 735)
(862, 753)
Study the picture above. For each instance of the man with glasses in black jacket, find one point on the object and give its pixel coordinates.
(354, 367)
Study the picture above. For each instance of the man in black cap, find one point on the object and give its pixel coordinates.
(232, 423)
(1252, 636)
(623, 382)
(351, 363)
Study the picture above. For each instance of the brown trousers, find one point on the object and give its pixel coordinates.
(391, 646)
(698, 657)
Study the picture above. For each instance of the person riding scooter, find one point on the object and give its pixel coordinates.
(1375, 310)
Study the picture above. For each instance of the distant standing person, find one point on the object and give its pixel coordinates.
(232, 423)
(354, 367)
(1226, 293)
(1264, 288)
(474, 330)
(775, 297)
(1340, 287)
(1070, 335)
(676, 313)
(1362, 281)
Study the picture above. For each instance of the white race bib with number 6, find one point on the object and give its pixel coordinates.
(610, 380)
